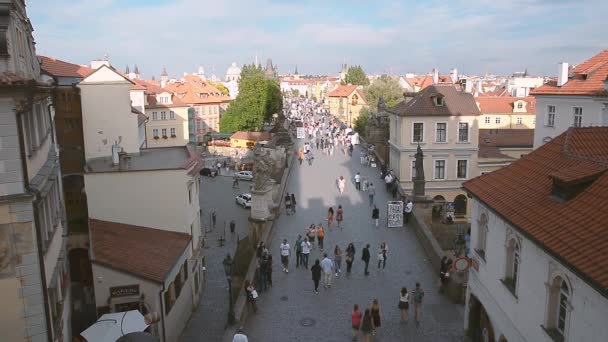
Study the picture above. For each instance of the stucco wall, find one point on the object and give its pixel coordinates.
(520, 317)
(507, 121)
(594, 114)
(180, 124)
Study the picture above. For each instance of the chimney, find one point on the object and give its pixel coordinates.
(468, 85)
(479, 88)
(124, 160)
(454, 75)
(562, 74)
(435, 75)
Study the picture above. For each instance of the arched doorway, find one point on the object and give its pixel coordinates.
(460, 205)
(480, 328)
(438, 206)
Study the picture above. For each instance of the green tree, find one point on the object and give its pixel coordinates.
(355, 75)
(362, 121)
(258, 99)
(386, 87)
(222, 88)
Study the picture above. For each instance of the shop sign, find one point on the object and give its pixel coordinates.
(124, 291)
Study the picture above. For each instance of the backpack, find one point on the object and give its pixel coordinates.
(418, 294)
(298, 246)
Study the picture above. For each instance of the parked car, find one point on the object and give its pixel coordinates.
(244, 175)
(208, 172)
(244, 200)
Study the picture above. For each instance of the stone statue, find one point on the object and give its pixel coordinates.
(419, 179)
(381, 104)
(262, 168)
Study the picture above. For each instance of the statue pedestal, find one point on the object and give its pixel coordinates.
(261, 202)
(423, 206)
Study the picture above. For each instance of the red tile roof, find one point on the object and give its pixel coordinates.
(420, 81)
(193, 85)
(574, 231)
(144, 252)
(258, 136)
(152, 103)
(505, 105)
(58, 68)
(586, 78)
(343, 91)
(506, 137)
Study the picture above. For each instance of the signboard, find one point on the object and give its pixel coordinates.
(395, 214)
(124, 291)
(300, 134)
(461, 264)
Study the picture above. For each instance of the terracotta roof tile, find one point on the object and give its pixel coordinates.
(575, 230)
(586, 78)
(456, 103)
(58, 68)
(144, 252)
(505, 105)
(506, 137)
(189, 91)
(177, 102)
(343, 91)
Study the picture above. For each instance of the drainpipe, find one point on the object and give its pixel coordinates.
(162, 311)
(26, 183)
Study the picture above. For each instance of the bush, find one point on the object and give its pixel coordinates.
(361, 122)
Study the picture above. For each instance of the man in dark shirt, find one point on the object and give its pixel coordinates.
(365, 257)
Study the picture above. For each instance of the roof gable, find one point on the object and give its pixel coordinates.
(106, 74)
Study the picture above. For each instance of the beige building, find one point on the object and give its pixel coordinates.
(506, 112)
(167, 120)
(346, 102)
(34, 280)
(443, 122)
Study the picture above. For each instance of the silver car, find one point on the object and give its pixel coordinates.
(244, 175)
(244, 200)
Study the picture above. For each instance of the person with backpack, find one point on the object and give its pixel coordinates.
(376, 215)
(418, 295)
(320, 235)
(298, 248)
(365, 257)
(316, 274)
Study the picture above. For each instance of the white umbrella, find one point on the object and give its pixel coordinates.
(112, 326)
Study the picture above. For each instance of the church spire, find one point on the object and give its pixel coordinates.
(296, 70)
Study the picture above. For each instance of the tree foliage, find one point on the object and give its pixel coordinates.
(222, 88)
(386, 87)
(355, 75)
(258, 99)
(362, 121)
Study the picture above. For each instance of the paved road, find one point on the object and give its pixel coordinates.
(291, 304)
(208, 321)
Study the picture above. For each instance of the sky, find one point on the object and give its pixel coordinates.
(383, 36)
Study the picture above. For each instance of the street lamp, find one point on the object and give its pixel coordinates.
(228, 270)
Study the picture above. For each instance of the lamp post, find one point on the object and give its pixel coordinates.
(228, 270)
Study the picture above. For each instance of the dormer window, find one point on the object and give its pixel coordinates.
(570, 182)
(438, 101)
(520, 105)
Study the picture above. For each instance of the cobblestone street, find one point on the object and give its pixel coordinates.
(290, 311)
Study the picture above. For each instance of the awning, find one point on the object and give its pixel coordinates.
(110, 327)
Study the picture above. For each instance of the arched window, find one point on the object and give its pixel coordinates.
(513, 265)
(559, 308)
(482, 235)
(562, 312)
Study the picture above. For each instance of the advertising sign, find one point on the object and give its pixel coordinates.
(300, 134)
(395, 214)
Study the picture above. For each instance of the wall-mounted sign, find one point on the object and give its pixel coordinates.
(395, 214)
(461, 264)
(124, 291)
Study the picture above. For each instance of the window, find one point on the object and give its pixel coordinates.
(169, 298)
(498, 120)
(155, 132)
(154, 116)
(562, 312)
(559, 308)
(550, 116)
(513, 265)
(189, 194)
(482, 235)
(578, 116)
(173, 132)
(441, 132)
(438, 100)
(355, 100)
(520, 105)
(418, 134)
(463, 132)
(461, 171)
(439, 169)
(164, 132)
(163, 116)
(487, 119)
(520, 120)
(171, 115)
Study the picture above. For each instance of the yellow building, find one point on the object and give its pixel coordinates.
(167, 120)
(501, 147)
(248, 139)
(346, 102)
(443, 122)
(506, 112)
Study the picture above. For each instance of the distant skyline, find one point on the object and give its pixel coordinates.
(383, 36)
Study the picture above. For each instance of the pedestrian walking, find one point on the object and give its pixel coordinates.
(309, 158)
(330, 217)
(371, 192)
(312, 234)
(263, 273)
(338, 259)
(376, 215)
(293, 202)
(408, 211)
(350, 256)
(376, 315)
(252, 295)
(367, 326)
(260, 250)
(213, 218)
(404, 304)
(444, 273)
(232, 227)
(358, 181)
(350, 150)
(285, 251)
(388, 180)
(305, 252)
(287, 203)
(298, 249)
(320, 235)
(300, 156)
(418, 296)
(365, 257)
(382, 255)
(269, 269)
(316, 275)
(240, 336)
(340, 216)
(341, 184)
(356, 321)
(327, 266)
